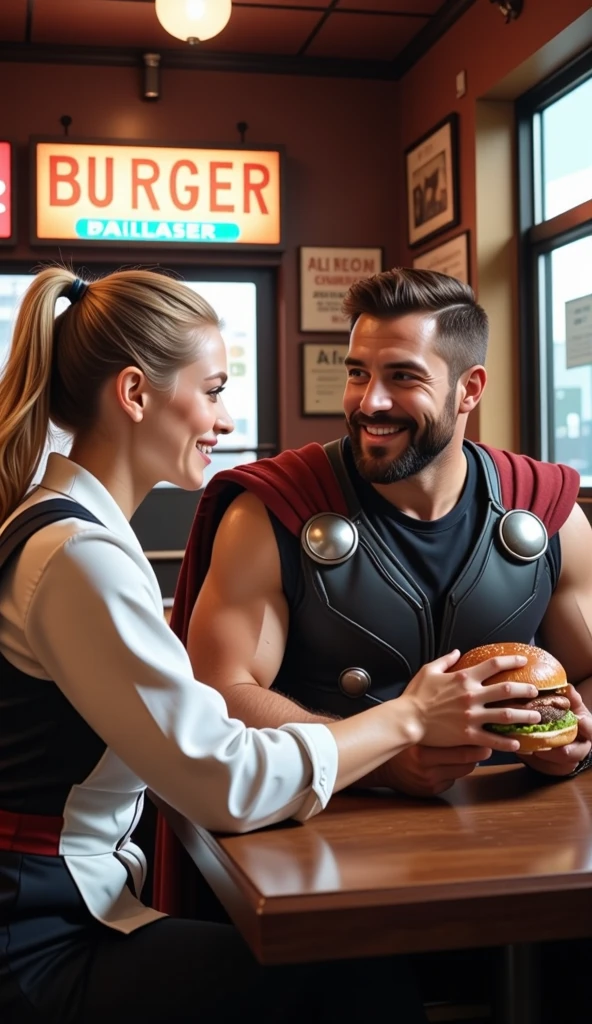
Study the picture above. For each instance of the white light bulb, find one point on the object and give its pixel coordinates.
(193, 20)
(196, 8)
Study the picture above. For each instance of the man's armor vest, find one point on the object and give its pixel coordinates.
(362, 628)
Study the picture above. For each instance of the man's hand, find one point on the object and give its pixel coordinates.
(428, 771)
(562, 760)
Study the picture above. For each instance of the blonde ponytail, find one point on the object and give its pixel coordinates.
(25, 387)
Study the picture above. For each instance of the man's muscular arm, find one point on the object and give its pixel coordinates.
(566, 632)
(239, 626)
(237, 638)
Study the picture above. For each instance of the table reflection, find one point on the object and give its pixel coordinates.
(497, 824)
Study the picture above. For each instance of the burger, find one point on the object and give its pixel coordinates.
(558, 725)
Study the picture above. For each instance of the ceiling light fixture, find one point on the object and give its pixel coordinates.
(151, 76)
(193, 21)
(511, 9)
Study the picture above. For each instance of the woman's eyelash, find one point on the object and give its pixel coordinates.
(218, 390)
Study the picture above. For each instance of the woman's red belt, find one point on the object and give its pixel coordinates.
(30, 833)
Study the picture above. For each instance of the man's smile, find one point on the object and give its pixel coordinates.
(383, 431)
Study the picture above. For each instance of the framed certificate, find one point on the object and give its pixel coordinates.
(323, 377)
(450, 257)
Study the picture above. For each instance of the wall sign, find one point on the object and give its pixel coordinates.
(326, 274)
(7, 233)
(323, 377)
(450, 257)
(119, 192)
(578, 332)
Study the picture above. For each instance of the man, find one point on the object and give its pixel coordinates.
(299, 618)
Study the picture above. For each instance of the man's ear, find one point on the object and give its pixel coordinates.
(471, 386)
(131, 390)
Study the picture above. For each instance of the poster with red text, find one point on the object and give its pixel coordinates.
(326, 275)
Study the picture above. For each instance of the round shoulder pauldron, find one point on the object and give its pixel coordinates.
(523, 535)
(329, 538)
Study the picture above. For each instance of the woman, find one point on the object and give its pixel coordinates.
(97, 697)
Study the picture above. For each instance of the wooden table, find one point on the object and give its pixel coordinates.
(501, 859)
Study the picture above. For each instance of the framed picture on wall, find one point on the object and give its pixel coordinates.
(323, 377)
(431, 174)
(451, 257)
(326, 274)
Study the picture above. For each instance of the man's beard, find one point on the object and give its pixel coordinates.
(422, 449)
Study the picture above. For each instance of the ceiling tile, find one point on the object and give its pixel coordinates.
(319, 5)
(253, 30)
(363, 36)
(98, 23)
(358, 29)
(415, 7)
(133, 23)
(13, 19)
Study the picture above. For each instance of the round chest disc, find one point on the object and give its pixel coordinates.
(354, 682)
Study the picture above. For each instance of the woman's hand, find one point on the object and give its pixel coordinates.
(453, 706)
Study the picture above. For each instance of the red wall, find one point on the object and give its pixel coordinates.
(341, 145)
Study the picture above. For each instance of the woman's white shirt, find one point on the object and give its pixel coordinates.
(81, 607)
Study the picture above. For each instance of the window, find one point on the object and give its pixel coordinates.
(566, 274)
(566, 151)
(555, 153)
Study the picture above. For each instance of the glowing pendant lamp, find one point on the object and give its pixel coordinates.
(193, 21)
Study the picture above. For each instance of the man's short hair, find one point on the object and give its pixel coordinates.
(463, 327)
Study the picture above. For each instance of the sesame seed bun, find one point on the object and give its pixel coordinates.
(541, 669)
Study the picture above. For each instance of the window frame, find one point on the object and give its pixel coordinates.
(536, 240)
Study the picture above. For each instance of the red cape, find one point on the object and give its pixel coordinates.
(294, 486)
